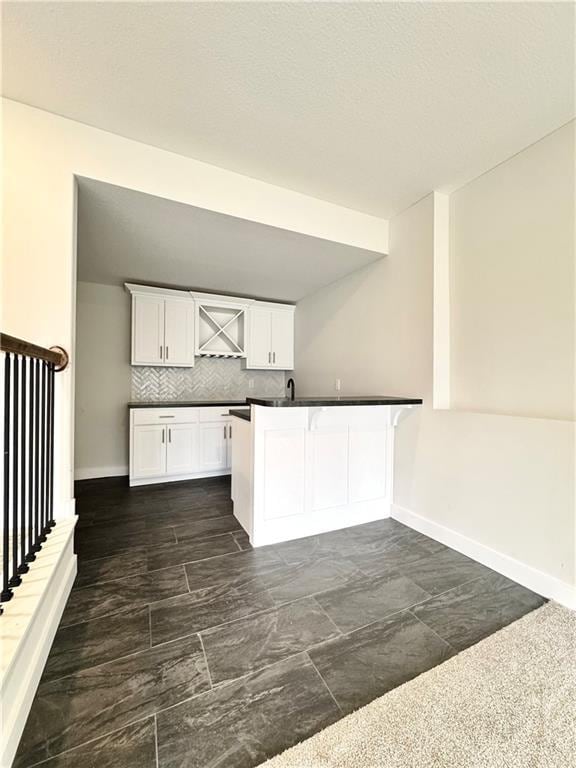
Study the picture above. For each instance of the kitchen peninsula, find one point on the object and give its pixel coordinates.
(310, 465)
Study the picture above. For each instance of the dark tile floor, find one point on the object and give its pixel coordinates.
(182, 646)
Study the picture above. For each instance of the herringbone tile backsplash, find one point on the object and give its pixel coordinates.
(209, 379)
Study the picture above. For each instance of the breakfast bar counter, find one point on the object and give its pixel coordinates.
(310, 465)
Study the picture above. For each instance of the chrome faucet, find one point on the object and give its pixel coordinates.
(292, 387)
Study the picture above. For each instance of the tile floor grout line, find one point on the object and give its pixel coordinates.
(325, 612)
(206, 660)
(406, 608)
(90, 741)
(267, 590)
(342, 634)
(234, 680)
(155, 570)
(119, 611)
(150, 548)
(118, 658)
(156, 740)
(187, 583)
(325, 684)
(443, 639)
(201, 560)
(205, 536)
(257, 613)
(446, 591)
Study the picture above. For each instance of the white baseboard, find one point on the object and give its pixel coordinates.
(177, 478)
(291, 527)
(27, 629)
(529, 577)
(93, 473)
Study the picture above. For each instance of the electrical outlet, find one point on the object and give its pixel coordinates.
(250, 383)
(338, 385)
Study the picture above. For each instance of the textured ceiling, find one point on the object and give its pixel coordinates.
(369, 105)
(130, 236)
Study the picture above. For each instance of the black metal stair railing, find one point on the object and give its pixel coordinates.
(28, 469)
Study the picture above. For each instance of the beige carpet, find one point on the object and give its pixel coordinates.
(507, 702)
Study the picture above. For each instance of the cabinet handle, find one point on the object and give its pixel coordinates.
(166, 351)
(269, 357)
(224, 431)
(165, 417)
(163, 431)
(169, 435)
(161, 355)
(230, 431)
(273, 357)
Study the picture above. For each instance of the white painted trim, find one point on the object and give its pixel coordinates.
(178, 478)
(529, 577)
(220, 298)
(93, 473)
(147, 290)
(65, 510)
(274, 305)
(441, 302)
(27, 631)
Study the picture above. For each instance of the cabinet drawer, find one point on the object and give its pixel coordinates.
(218, 413)
(165, 415)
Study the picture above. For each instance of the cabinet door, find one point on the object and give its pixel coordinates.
(282, 339)
(259, 340)
(213, 446)
(149, 451)
(182, 449)
(179, 332)
(147, 330)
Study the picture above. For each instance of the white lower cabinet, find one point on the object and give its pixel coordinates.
(175, 444)
(148, 451)
(214, 451)
(181, 449)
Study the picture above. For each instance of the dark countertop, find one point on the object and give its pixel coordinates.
(244, 413)
(303, 402)
(184, 403)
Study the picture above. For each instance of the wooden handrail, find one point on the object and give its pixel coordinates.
(56, 355)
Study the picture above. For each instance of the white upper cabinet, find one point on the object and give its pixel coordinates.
(282, 338)
(178, 332)
(170, 327)
(162, 327)
(260, 339)
(147, 330)
(270, 337)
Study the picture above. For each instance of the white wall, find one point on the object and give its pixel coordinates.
(512, 285)
(359, 328)
(499, 487)
(103, 380)
(42, 154)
